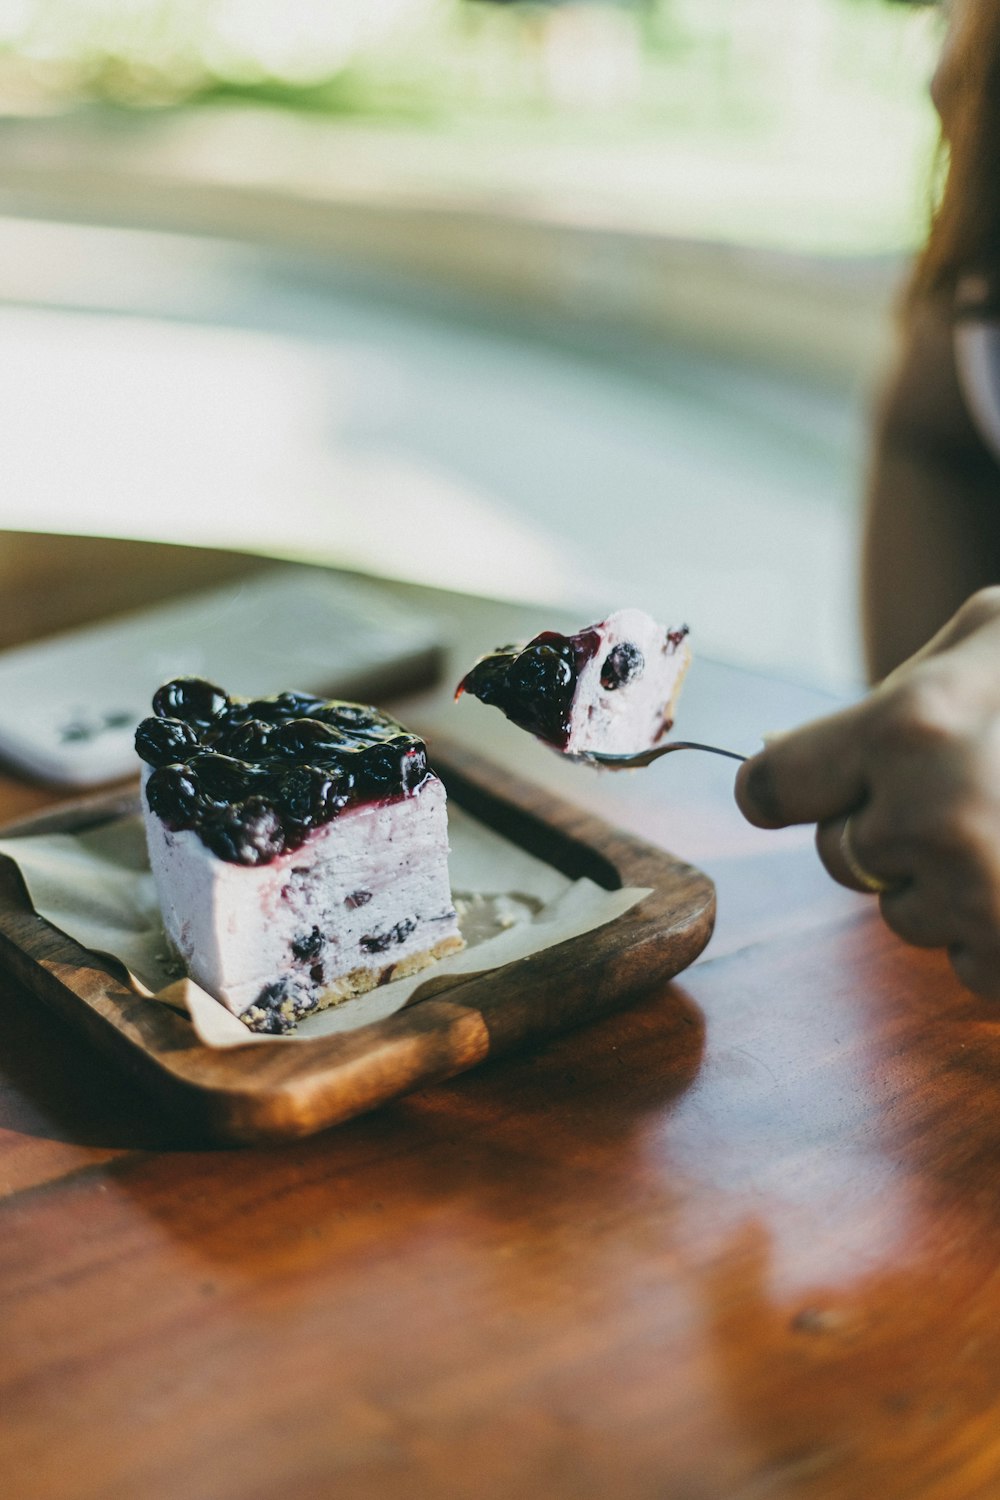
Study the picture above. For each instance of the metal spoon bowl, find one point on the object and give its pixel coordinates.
(646, 757)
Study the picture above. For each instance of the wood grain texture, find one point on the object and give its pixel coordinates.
(735, 1241)
(277, 1092)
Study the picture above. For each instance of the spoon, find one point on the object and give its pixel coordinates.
(646, 757)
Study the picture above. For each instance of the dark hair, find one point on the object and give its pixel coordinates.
(964, 241)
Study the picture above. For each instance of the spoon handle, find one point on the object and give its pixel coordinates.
(694, 745)
(646, 757)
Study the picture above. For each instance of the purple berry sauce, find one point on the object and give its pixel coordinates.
(253, 779)
(534, 685)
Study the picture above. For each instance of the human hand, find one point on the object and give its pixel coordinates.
(915, 767)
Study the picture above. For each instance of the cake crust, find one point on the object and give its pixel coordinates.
(358, 982)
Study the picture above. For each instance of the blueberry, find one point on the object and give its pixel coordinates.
(379, 942)
(487, 680)
(309, 796)
(266, 1013)
(279, 1006)
(544, 670)
(303, 739)
(337, 759)
(381, 769)
(244, 739)
(283, 706)
(163, 742)
(623, 664)
(247, 833)
(222, 778)
(272, 994)
(172, 794)
(308, 945)
(197, 702)
(540, 686)
(352, 718)
(298, 705)
(376, 734)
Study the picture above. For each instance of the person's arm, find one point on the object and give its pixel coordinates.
(932, 530)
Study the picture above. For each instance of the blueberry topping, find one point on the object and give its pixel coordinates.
(308, 738)
(197, 702)
(246, 833)
(309, 796)
(223, 779)
(246, 739)
(623, 664)
(308, 945)
(534, 685)
(172, 794)
(162, 742)
(352, 718)
(547, 667)
(254, 777)
(381, 767)
(284, 706)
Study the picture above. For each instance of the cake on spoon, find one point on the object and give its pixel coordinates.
(610, 689)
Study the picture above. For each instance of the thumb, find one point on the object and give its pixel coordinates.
(807, 775)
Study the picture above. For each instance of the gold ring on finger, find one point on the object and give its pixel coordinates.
(865, 878)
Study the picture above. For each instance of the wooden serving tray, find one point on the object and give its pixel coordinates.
(260, 1092)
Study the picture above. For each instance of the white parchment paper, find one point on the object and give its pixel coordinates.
(96, 886)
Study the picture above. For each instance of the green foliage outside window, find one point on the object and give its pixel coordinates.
(829, 96)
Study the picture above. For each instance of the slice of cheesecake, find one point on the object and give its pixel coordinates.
(299, 848)
(612, 688)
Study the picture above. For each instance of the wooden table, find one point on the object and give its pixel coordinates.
(741, 1240)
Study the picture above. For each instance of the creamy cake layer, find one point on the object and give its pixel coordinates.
(626, 692)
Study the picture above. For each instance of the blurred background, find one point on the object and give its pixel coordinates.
(580, 303)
